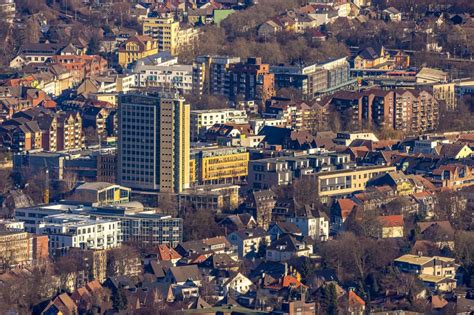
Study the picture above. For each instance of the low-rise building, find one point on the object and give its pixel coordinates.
(136, 48)
(249, 242)
(345, 182)
(100, 193)
(210, 197)
(436, 272)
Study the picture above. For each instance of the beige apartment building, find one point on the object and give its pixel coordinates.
(14, 249)
(168, 33)
(344, 182)
(154, 142)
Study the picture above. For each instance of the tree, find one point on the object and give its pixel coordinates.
(119, 299)
(122, 261)
(199, 224)
(330, 299)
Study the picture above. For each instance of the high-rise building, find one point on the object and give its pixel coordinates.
(210, 74)
(154, 142)
(168, 33)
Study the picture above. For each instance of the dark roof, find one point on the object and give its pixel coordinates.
(184, 273)
(286, 227)
(288, 243)
(251, 233)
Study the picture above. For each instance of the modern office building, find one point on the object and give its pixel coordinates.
(315, 79)
(219, 165)
(154, 142)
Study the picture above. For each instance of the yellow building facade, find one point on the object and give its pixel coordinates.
(136, 48)
(219, 165)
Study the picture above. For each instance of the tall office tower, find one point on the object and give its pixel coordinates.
(154, 142)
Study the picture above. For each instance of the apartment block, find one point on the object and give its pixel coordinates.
(154, 142)
(345, 182)
(251, 80)
(135, 223)
(14, 249)
(41, 129)
(70, 134)
(411, 111)
(163, 71)
(67, 230)
(280, 171)
(214, 198)
(216, 165)
(314, 79)
(210, 74)
(169, 35)
(202, 120)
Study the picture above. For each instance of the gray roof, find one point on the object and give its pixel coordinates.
(184, 273)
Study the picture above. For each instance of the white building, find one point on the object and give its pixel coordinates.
(135, 223)
(72, 230)
(346, 138)
(162, 70)
(316, 227)
(237, 284)
(258, 123)
(201, 120)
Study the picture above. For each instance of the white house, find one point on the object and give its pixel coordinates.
(249, 241)
(238, 284)
(316, 227)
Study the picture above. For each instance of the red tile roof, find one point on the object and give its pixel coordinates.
(167, 253)
(391, 220)
(355, 300)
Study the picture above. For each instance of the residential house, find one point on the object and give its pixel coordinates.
(440, 233)
(182, 274)
(392, 14)
(260, 204)
(392, 226)
(452, 176)
(237, 284)
(249, 242)
(288, 247)
(62, 304)
(136, 48)
(371, 57)
(437, 272)
(355, 304)
(279, 229)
